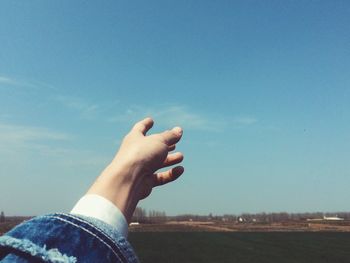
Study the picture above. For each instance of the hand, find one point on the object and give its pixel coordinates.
(133, 172)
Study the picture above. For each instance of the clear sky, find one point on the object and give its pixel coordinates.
(261, 89)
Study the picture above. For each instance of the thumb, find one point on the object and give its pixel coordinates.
(143, 126)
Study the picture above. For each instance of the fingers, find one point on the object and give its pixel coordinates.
(167, 176)
(170, 137)
(173, 158)
(173, 136)
(143, 126)
(171, 148)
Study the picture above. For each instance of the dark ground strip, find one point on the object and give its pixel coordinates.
(242, 247)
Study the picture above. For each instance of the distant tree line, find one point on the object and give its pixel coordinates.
(263, 217)
(152, 216)
(2, 217)
(140, 215)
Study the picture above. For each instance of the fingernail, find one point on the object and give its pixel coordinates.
(178, 130)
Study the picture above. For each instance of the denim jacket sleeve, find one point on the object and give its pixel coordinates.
(65, 238)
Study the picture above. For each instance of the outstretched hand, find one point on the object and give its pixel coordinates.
(133, 172)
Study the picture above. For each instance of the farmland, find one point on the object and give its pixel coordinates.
(242, 247)
(223, 242)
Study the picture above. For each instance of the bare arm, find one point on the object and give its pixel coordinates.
(132, 174)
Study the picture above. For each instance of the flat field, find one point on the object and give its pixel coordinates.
(216, 242)
(296, 247)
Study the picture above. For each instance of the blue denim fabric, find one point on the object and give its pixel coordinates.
(65, 238)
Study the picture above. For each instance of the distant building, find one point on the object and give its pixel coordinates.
(326, 218)
(332, 218)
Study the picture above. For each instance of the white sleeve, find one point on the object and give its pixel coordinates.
(99, 207)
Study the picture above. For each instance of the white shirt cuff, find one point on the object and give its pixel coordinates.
(99, 207)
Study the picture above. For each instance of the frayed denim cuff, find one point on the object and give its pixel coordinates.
(33, 250)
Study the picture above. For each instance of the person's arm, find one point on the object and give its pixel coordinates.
(132, 174)
(93, 231)
(135, 165)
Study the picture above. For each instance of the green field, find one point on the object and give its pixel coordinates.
(242, 247)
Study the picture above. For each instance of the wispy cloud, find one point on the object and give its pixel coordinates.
(181, 115)
(14, 136)
(7, 80)
(17, 82)
(84, 108)
(168, 116)
(17, 141)
(245, 120)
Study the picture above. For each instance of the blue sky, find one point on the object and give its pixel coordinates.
(261, 89)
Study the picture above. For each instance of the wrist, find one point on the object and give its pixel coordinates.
(117, 184)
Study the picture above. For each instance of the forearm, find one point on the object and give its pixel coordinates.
(112, 185)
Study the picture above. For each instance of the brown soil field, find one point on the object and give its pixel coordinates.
(192, 226)
(210, 226)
